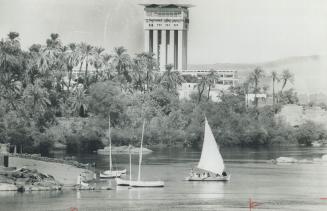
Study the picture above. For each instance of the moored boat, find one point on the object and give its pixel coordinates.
(211, 162)
(111, 173)
(139, 183)
(147, 184)
(122, 182)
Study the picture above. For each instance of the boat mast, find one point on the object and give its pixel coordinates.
(140, 153)
(110, 159)
(130, 164)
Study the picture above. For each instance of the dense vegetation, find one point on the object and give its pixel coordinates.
(43, 103)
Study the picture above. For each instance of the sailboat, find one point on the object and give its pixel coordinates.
(211, 160)
(139, 182)
(111, 173)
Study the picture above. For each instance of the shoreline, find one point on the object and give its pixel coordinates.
(63, 172)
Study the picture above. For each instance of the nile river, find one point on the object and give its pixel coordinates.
(274, 187)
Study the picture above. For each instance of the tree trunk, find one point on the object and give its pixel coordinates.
(96, 74)
(200, 93)
(85, 76)
(70, 72)
(209, 89)
(273, 91)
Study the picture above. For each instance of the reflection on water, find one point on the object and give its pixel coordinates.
(279, 187)
(210, 190)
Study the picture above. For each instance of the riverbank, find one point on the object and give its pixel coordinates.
(24, 179)
(64, 173)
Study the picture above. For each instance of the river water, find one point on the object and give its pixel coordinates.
(300, 186)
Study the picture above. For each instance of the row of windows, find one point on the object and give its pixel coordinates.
(164, 14)
(219, 82)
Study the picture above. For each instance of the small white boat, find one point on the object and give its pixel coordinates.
(111, 173)
(139, 183)
(211, 160)
(147, 184)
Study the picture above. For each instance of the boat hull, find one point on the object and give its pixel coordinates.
(122, 182)
(219, 178)
(147, 184)
(112, 174)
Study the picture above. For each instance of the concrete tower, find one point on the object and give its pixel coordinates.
(165, 33)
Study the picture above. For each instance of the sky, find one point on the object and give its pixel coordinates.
(242, 31)
(220, 31)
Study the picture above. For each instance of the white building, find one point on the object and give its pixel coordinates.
(226, 79)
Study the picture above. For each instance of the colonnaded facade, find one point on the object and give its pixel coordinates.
(165, 33)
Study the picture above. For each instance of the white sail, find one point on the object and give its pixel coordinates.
(211, 159)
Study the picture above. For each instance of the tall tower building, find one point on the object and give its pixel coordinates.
(165, 33)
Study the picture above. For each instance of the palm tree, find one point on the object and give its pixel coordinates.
(79, 102)
(97, 61)
(203, 83)
(37, 97)
(122, 62)
(50, 54)
(255, 78)
(11, 67)
(286, 77)
(145, 65)
(70, 58)
(9, 51)
(138, 74)
(86, 54)
(32, 68)
(108, 67)
(13, 38)
(274, 76)
(171, 79)
(151, 67)
(212, 78)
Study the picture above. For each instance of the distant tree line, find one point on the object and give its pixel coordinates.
(37, 89)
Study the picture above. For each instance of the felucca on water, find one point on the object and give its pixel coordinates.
(211, 160)
(139, 182)
(111, 173)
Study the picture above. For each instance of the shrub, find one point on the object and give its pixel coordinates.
(309, 132)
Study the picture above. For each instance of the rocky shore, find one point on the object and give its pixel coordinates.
(25, 179)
